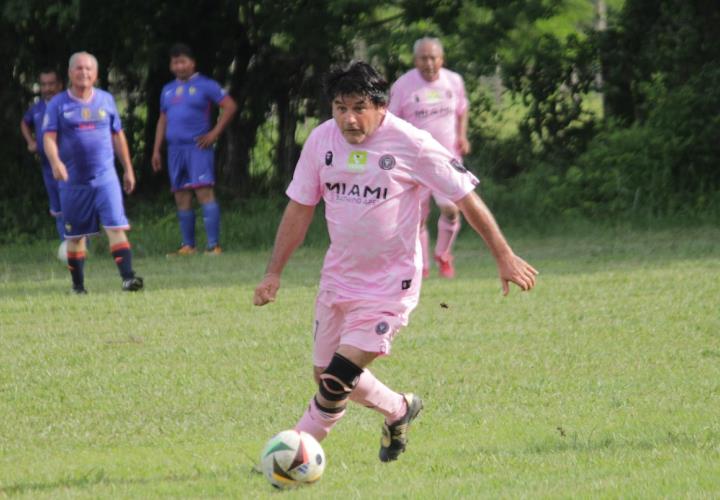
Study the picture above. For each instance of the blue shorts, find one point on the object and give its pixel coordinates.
(83, 206)
(190, 167)
(53, 191)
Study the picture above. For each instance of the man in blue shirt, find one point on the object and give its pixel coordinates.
(82, 133)
(31, 129)
(184, 121)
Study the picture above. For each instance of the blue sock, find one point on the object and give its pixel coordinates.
(60, 226)
(211, 217)
(187, 226)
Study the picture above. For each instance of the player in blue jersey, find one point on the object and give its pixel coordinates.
(31, 128)
(184, 121)
(82, 133)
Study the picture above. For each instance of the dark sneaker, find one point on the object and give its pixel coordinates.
(132, 284)
(394, 436)
(79, 290)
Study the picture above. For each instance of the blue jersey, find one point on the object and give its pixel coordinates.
(33, 118)
(84, 135)
(187, 106)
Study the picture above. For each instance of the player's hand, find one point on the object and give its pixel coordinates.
(207, 140)
(463, 145)
(516, 270)
(267, 290)
(129, 181)
(156, 162)
(32, 147)
(59, 171)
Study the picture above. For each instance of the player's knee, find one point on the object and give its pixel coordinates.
(450, 212)
(337, 381)
(205, 195)
(317, 371)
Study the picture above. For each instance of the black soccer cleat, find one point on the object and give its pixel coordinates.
(394, 436)
(133, 284)
(79, 290)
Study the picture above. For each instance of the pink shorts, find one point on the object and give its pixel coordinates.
(366, 324)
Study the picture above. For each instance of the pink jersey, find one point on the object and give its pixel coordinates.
(372, 193)
(433, 106)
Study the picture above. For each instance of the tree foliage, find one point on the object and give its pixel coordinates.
(657, 59)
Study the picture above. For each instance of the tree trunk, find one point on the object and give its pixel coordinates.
(600, 26)
(286, 146)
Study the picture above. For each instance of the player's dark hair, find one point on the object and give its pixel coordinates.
(181, 49)
(357, 78)
(46, 70)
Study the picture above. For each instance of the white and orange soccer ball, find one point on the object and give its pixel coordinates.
(62, 252)
(291, 459)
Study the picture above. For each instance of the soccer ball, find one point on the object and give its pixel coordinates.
(291, 459)
(62, 252)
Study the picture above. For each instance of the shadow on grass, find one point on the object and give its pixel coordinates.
(98, 477)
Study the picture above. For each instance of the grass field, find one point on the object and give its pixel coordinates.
(602, 382)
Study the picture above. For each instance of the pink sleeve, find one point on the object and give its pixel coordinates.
(395, 104)
(437, 169)
(305, 185)
(462, 98)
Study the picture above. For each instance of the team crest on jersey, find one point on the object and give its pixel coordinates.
(86, 114)
(432, 96)
(386, 162)
(178, 91)
(102, 113)
(458, 166)
(356, 161)
(328, 158)
(382, 328)
(192, 90)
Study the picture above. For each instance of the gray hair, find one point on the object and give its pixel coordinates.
(75, 56)
(427, 39)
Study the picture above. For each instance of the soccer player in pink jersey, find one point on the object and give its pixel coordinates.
(371, 169)
(433, 98)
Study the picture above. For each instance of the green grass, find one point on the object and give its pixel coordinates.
(602, 382)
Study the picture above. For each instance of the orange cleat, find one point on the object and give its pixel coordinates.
(216, 250)
(183, 251)
(445, 266)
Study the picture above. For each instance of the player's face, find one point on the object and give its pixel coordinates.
(83, 73)
(429, 60)
(182, 67)
(49, 85)
(357, 117)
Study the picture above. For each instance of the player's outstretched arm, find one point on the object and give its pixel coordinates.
(510, 267)
(290, 235)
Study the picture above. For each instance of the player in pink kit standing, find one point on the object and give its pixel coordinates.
(371, 169)
(433, 98)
